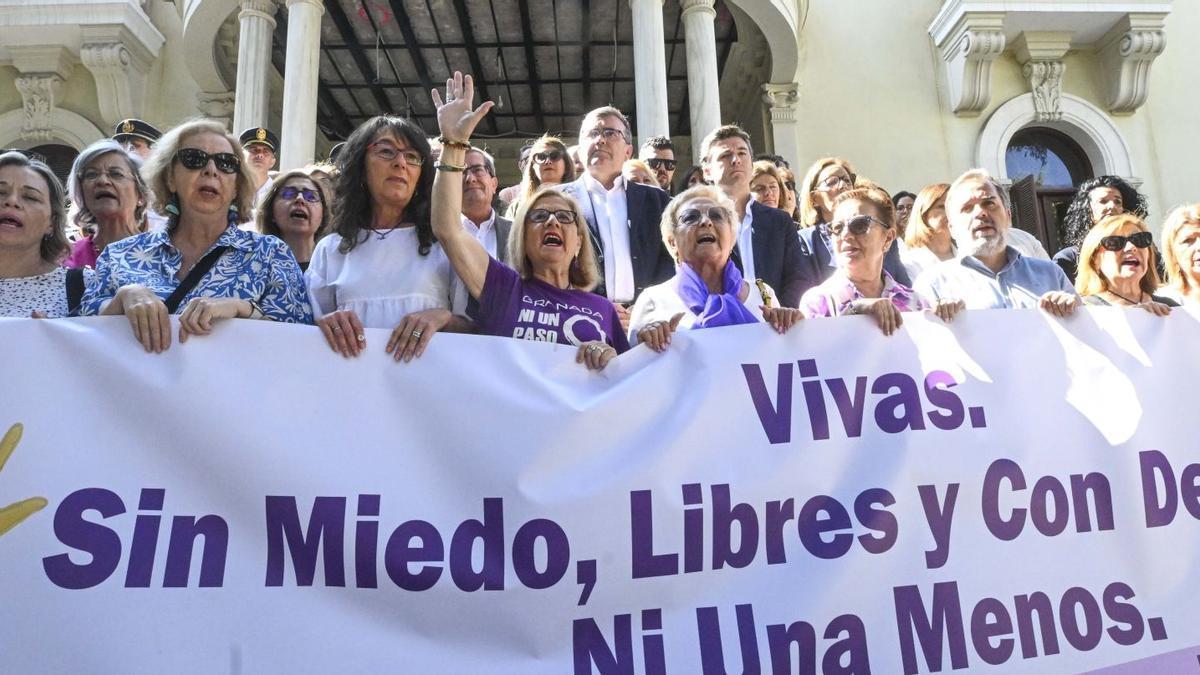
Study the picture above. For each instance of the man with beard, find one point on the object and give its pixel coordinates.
(623, 217)
(991, 274)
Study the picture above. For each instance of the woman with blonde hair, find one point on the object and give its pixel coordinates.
(545, 296)
(1117, 266)
(1181, 254)
(202, 266)
(767, 184)
(549, 164)
(927, 231)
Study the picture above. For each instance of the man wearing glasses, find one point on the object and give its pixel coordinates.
(767, 246)
(659, 154)
(991, 273)
(623, 217)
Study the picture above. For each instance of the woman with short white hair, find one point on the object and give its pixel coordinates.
(109, 199)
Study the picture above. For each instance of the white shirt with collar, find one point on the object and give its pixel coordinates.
(484, 233)
(745, 243)
(611, 211)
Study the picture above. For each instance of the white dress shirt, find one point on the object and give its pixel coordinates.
(745, 244)
(484, 233)
(611, 212)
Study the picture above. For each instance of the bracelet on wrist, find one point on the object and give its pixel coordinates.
(446, 142)
(443, 166)
(256, 310)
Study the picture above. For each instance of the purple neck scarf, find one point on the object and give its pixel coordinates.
(713, 309)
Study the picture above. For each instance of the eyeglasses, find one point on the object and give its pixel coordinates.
(692, 217)
(657, 163)
(477, 170)
(1117, 242)
(308, 194)
(547, 156)
(857, 226)
(388, 153)
(114, 174)
(195, 159)
(562, 216)
(834, 181)
(608, 133)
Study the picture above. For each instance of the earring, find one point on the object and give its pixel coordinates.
(172, 206)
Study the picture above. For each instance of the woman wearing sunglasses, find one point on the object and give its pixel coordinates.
(295, 209)
(707, 290)
(381, 267)
(862, 232)
(546, 297)
(202, 266)
(549, 164)
(1117, 266)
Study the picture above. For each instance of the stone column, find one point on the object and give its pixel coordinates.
(781, 102)
(704, 96)
(257, 21)
(298, 134)
(649, 69)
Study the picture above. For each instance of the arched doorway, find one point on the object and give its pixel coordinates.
(58, 157)
(1046, 166)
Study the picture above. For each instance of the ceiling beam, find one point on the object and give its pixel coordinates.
(334, 9)
(414, 49)
(481, 88)
(531, 64)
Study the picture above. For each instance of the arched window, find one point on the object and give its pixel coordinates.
(1046, 166)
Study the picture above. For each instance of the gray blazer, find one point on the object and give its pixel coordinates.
(503, 227)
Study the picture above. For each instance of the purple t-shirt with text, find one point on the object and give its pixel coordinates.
(530, 309)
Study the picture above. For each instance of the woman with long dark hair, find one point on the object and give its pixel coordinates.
(381, 267)
(1095, 200)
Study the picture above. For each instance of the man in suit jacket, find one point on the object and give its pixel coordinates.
(624, 218)
(767, 244)
(479, 217)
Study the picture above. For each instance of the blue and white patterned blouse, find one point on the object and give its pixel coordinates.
(256, 267)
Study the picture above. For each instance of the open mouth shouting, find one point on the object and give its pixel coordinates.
(9, 221)
(707, 237)
(1131, 261)
(299, 213)
(553, 239)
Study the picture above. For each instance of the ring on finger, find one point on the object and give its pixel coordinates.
(337, 329)
(360, 337)
(417, 334)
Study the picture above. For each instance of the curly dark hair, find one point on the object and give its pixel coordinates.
(352, 203)
(1078, 221)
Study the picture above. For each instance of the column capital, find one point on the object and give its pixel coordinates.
(120, 75)
(317, 4)
(782, 99)
(39, 95)
(258, 9)
(216, 105)
(698, 7)
(1126, 54)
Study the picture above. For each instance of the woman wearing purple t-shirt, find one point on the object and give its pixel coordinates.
(546, 298)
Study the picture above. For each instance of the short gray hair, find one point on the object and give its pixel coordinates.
(488, 160)
(80, 216)
(608, 111)
(981, 176)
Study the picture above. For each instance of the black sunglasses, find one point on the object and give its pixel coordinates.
(547, 156)
(308, 194)
(194, 160)
(660, 163)
(857, 226)
(692, 217)
(1117, 242)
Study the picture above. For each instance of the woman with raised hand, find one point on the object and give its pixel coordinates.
(33, 241)
(546, 297)
(381, 267)
(862, 233)
(1117, 266)
(295, 209)
(707, 290)
(109, 199)
(202, 266)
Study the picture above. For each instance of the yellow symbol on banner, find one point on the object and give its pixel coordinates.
(13, 514)
(127, 127)
(261, 135)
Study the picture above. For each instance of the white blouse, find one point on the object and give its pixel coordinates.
(383, 279)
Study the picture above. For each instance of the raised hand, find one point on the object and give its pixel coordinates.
(456, 118)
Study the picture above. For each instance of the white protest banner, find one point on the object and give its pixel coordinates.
(1010, 492)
